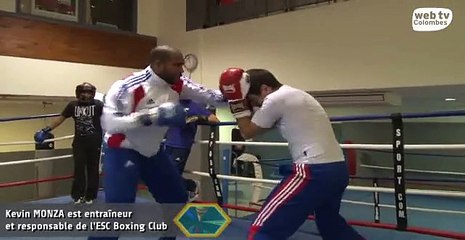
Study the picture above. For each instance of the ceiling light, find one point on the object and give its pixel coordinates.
(450, 99)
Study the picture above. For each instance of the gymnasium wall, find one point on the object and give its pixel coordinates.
(166, 20)
(8, 5)
(356, 44)
(27, 76)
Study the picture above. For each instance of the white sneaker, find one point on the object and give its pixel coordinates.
(194, 195)
(89, 201)
(79, 201)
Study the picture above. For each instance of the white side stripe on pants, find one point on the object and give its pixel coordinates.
(286, 192)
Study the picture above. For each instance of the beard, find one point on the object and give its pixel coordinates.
(168, 79)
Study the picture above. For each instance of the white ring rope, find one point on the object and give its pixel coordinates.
(408, 208)
(355, 146)
(414, 170)
(33, 142)
(269, 181)
(350, 146)
(283, 144)
(354, 188)
(35, 160)
(430, 210)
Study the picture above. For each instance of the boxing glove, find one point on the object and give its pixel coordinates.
(41, 135)
(167, 114)
(234, 85)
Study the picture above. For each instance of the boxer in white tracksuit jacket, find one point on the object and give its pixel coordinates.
(136, 115)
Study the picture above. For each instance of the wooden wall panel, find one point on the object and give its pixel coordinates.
(32, 38)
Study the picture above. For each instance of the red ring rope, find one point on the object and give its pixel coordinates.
(28, 182)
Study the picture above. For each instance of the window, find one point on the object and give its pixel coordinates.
(116, 14)
(57, 9)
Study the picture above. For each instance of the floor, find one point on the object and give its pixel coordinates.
(438, 221)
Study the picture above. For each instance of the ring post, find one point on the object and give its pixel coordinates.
(226, 170)
(399, 171)
(377, 213)
(211, 165)
(44, 169)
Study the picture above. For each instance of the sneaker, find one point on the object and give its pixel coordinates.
(192, 196)
(89, 201)
(79, 200)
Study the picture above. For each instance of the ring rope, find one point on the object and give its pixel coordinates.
(414, 170)
(432, 210)
(435, 180)
(420, 154)
(35, 160)
(420, 230)
(282, 144)
(11, 119)
(28, 182)
(354, 188)
(355, 146)
(362, 165)
(406, 115)
(438, 180)
(3, 185)
(269, 181)
(246, 179)
(33, 142)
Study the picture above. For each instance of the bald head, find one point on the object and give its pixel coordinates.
(164, 53)
(167, 62)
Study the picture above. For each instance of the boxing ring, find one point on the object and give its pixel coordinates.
(379, 206)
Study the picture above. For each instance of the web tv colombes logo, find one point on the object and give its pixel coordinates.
(431, 19)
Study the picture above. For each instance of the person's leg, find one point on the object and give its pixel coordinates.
(288, 206)
(163, 180)
(179, 157)
(165, 184)
(121, 174)
(330, 223)
(79, 180)
(93, 161)
(191, 185)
